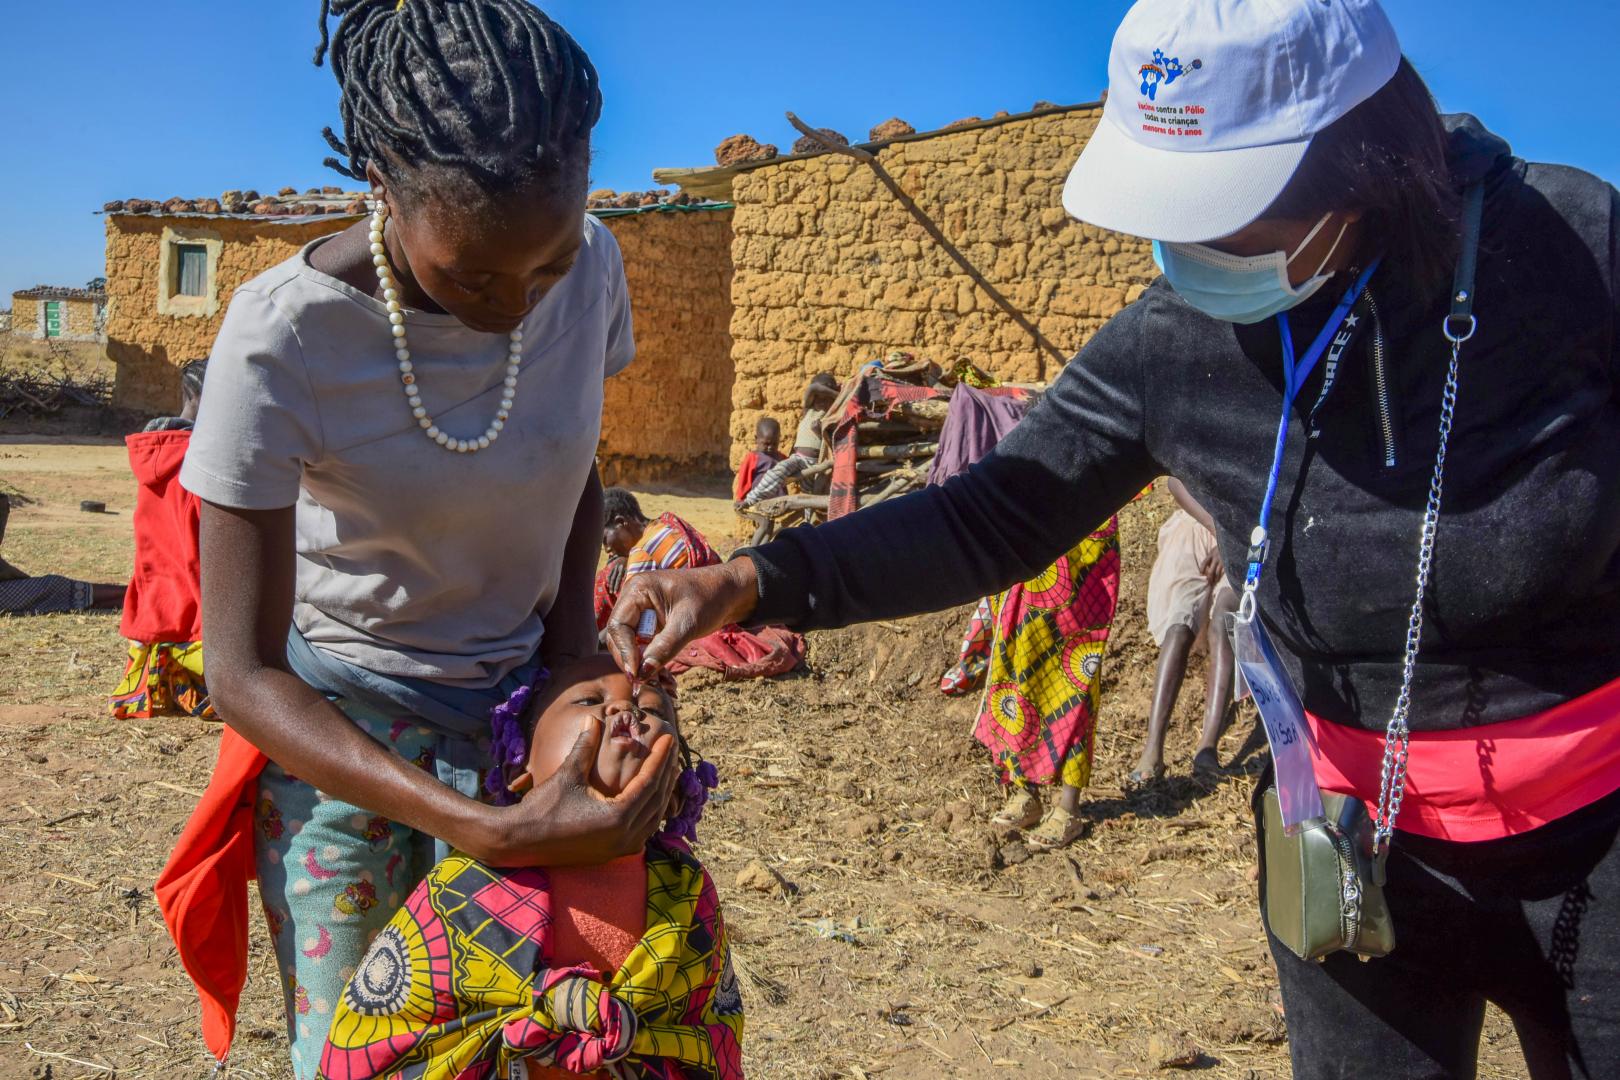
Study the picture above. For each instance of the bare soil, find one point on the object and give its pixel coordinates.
(883, 929)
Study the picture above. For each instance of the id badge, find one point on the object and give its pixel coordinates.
(1287, 730)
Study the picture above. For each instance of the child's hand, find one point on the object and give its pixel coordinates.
(564, 822)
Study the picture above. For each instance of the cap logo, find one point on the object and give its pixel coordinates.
(1163, 71)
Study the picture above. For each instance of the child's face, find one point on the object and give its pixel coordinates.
(767, 437)
(596, 687)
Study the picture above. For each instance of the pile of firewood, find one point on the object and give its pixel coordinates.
(43, 390)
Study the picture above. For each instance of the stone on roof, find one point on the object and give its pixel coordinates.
(714, 181)
(249, 204)
(740, 148)
(58, 292)
(807, 145)
(608, 199)
(892, 128)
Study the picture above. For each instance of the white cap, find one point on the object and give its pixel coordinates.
(1212, 103)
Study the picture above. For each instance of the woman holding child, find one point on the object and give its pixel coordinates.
(401, 510)
(1426, 524)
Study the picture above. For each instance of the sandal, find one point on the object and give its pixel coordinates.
(1021, 810)
(1206, 764)
(1058, 829)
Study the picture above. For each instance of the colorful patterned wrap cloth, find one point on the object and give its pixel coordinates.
(458, 987)
(1043, 647)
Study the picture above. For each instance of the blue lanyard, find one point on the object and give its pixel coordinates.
(1294, 377)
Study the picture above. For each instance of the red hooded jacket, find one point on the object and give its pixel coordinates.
(164, 602)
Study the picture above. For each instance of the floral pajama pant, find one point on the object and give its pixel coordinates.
(331, 875)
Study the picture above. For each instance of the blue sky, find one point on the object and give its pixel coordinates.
(193, 97)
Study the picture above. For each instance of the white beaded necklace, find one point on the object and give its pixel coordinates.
(402, 351)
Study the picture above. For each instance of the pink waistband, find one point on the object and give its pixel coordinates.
(1484, 783)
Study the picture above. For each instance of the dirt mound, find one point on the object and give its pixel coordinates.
(896, 660)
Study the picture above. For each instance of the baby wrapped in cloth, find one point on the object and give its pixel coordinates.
(501, 974)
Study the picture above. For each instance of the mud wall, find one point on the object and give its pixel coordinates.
(665, 418)
(24, 317)
(831, 271)
(78, 314)
(147, 345)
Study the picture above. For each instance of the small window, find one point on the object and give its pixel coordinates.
(191, 270)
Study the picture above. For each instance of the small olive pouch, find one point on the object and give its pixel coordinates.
(1323, 887)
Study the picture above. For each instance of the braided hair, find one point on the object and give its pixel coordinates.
(493, 89)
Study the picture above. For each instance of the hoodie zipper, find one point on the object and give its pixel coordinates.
(1386, 419)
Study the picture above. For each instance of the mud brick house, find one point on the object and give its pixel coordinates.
(830, 271)
(172, 267)
(50, 311)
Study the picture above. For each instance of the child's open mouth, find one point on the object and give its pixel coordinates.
(627, 726)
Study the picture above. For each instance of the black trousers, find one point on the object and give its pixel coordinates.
(1530, 923)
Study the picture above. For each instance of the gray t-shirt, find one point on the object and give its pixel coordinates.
(809, 433)
(412, 560)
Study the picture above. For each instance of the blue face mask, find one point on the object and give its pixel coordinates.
(1240, 288)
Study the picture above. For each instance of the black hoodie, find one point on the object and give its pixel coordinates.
(1524, 605)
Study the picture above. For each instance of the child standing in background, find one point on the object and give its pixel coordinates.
(765, 454)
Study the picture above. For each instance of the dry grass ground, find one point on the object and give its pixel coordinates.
(898, 936)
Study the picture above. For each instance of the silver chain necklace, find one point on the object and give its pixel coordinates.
(1398, 735)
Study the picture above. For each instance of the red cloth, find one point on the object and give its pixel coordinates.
(875, 398)
(164, 601)
(743, 654)
(203, 891)
(609, 580)
(600, 915)
(1484, 783)
(755, 465)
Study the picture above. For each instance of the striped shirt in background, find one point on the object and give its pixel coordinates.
(774, 481)
(662, 548)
